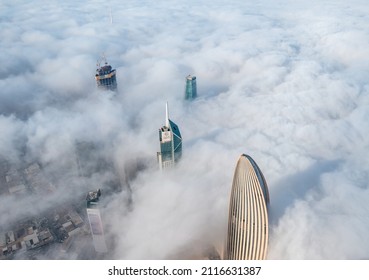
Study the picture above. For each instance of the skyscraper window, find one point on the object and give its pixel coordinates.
(191, 88)
(170, 143)
(106, 76)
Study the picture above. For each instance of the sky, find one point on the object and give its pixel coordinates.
(282, 81)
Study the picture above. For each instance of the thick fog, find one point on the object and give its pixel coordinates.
(284, 82)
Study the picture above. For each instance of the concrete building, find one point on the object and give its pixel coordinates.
(106, 76)
(170, 143)
(191, 88)
(31, 236)
(247, 237)
(37, 181)
(94, 218)
(15, 182)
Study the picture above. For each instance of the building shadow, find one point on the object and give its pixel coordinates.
(287, 190)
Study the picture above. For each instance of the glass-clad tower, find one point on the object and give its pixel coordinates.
(106, 76)
(170, 143)
(191, 89)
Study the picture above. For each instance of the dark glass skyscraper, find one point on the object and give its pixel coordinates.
(170, 143)
(106, 76)
(191, 89)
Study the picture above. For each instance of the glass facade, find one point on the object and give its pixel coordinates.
(170, 145)
(191, 88)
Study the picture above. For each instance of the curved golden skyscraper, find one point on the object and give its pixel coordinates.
(247, 237)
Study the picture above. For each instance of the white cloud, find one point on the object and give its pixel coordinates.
(285, 82)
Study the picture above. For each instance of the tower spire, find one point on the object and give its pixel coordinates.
(170, 143)
(166, 115)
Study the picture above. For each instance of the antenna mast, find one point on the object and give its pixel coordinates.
(166, 115)
(111, 16)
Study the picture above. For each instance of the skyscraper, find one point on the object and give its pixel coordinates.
(170, 143)
(191, 89)
(106, 76)
(247, 237)
(94, 218)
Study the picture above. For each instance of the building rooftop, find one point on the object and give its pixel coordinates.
(105, 76)
(93, 196)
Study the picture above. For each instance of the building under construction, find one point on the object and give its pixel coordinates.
(106, 76)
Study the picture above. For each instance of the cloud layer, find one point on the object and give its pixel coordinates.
(281, 81)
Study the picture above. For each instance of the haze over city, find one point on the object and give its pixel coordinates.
(285, 82)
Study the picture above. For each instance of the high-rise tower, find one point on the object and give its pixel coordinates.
(170, 143)
(94, 218)
(247, 237)
(106, 76)
(191, 89)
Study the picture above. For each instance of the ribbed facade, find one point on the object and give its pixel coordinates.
(247, 237)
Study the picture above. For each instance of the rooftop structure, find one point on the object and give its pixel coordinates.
(105, 76)
(247, 237)
(37, 181)
(23, 181)
(31, 236)
(92, 198)
(191, 89)
(170, 143)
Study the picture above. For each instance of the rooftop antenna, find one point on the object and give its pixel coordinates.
(111, 16)
(166, 115)
(103, 58)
